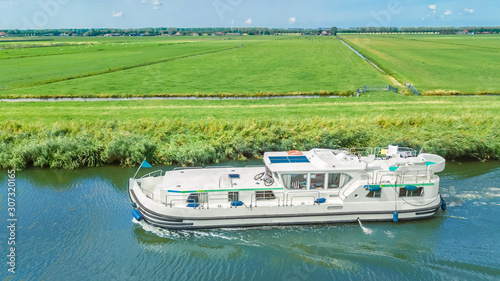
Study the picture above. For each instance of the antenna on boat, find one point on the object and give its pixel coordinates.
(144, 164)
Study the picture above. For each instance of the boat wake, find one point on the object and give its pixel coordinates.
(457, 217)
(181, 234)
(389, 234)
(365, 229)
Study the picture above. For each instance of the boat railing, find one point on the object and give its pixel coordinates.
(186, 168)
(205, 167)
(225, 181)
(361, 151)
(217, 200)
(381, 152)
(171, 203)
(291, 195)
(281, 198)
(416, 175)
(401, 176)
(254, 199)
(157, 173)
(302, 196)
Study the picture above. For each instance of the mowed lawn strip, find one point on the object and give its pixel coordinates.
(368, 105)
(436, 63)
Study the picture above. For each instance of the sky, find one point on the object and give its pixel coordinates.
(51, 14)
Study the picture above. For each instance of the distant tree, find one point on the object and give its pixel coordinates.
(334, 30)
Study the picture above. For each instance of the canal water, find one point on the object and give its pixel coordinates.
(77, 225)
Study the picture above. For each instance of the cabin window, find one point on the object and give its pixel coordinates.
(338, 180)
(294, 181)
(403, 192)
(275, 176)
(374, 194)
(233, 196)
(264, 195)
(197, 198)
(317, 181)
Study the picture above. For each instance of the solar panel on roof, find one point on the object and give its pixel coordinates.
(298, 159)
(288, 159)
(279, 159)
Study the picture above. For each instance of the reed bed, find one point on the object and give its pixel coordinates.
(180, 141)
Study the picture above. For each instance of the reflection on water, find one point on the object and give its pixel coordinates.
(470, 169)
(78, 225)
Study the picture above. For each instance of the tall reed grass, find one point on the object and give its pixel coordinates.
(70, 145)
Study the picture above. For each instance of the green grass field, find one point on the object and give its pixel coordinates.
(191, 132)
(436, 64)
(370, 105)
(76, 134)
(162, 66)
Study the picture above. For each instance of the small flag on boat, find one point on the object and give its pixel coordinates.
(421, 151)
(144, 164)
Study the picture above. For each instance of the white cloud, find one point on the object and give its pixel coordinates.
(248, 21)
(469, 10)
(117, 14)
(291, 20)
(156, 4)
(433, 8)
(448, 12)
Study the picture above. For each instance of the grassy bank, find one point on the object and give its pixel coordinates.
(436, 64)
(78, 134)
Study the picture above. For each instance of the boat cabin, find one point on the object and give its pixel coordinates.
(317, 169)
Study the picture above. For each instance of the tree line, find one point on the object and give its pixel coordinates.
(425, 29)
(171, 31)
(168, 31)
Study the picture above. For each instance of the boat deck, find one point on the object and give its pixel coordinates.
(184, 180)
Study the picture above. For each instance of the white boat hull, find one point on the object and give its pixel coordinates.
(199, 218)
(294, 187)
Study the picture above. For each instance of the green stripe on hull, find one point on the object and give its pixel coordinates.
(403, 185)
(224, 190)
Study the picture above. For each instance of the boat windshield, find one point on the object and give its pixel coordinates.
(271, 174)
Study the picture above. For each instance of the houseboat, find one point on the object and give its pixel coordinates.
(294, 187)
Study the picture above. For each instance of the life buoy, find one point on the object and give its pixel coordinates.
(294, 152)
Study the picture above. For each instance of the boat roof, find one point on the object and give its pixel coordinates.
(314, 160)
(203, 179)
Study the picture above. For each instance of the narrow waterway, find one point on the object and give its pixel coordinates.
(77, 225)
(396, 82)
(165, 98)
